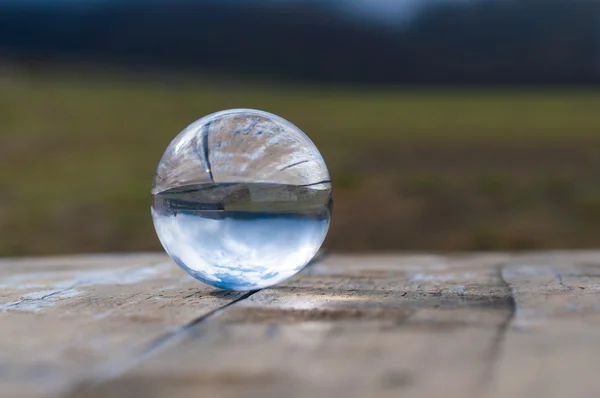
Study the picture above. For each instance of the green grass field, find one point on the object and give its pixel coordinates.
(412, 169)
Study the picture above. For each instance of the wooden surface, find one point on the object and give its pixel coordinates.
(493, 325)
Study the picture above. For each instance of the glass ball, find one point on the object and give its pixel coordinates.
(241, 199)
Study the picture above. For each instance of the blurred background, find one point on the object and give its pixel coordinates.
(446, 124)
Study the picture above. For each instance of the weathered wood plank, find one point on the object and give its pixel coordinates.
(352, 326)
(62, 319)
(493, 325)
(552, 347)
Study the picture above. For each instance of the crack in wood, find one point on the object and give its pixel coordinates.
(501, 331)
(36, 302)
(115, 369)
(16, 304)
(559, 277)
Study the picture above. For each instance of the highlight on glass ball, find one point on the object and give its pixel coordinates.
(241, 199)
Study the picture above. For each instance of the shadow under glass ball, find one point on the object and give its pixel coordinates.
(241, 199)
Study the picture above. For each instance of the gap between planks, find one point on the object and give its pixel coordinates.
(113, 370)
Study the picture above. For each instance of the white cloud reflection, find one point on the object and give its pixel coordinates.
(240, 253)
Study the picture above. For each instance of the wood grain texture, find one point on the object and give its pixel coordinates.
(348, 326)
(62, 319)
(552, 347)
(470, 325)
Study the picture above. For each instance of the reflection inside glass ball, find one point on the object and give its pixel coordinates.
(241, 199)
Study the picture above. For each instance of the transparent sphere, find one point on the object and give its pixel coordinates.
(241, 199)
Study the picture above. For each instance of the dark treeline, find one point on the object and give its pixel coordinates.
(492, 42)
